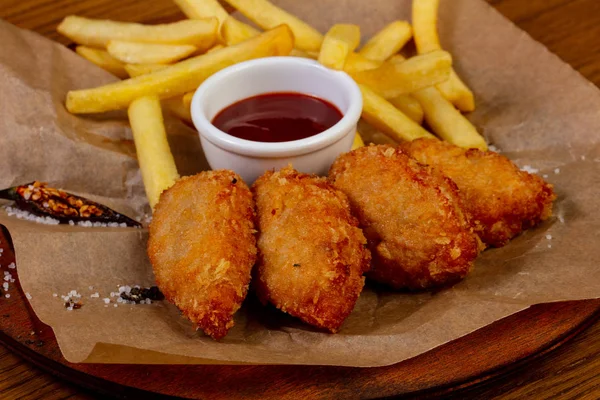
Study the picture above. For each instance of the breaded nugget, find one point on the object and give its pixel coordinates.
(202, 247)
(502, 200)
(411, 216)
(312, 255)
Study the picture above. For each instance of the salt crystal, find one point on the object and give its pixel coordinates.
(28, 296)
(54, 295)
(119, 300)
(106, 300)
(91, 287)
(582, 158)
(529, 169)
(557, 171)
(12, 265)
(12, 281)
(561, 218)
(549, 246)
(493, 148)
(148, 301)
(5, 285)
(545, 176)
(7, 278)
(549, 237)
(95, 295)
(116, 305)
(6, 273)
(71, 223)
(70, 308)
(7, 295)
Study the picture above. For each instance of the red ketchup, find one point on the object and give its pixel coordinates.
(277, 117)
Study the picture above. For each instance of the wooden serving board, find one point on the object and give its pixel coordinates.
(476, 358)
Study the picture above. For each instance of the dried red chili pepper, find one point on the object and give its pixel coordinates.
(39, 199)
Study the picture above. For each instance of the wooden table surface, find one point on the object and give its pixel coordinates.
(570, 28)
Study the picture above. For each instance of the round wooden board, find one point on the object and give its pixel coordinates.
(483, 355)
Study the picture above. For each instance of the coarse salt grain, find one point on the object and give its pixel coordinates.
(529, 169)
(95, 295)
(7, 295)
(549, 246)
(561, 218)
(12, 265)
(6, 273)
(549, 237)
(493, 148)
(5, 285)
(28, 296)
(106, 300)
(116, 305)
(557, 171)
(20, 214)
(545, 176)
(54, 294)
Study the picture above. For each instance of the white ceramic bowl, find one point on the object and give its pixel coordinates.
(251, 159)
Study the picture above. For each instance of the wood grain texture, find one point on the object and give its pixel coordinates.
(570, 28)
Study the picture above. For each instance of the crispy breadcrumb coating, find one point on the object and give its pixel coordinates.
(202, 247)
(411, 216)
(312, 255)
(502, 200)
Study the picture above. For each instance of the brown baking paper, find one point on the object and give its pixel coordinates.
(532, 106)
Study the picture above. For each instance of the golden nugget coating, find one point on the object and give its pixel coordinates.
(202, 247)
(501, 199)
(411, 216)
(312, 255)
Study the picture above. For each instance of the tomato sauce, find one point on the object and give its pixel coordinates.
(277, 117)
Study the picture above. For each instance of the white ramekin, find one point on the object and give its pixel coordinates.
(250, 159)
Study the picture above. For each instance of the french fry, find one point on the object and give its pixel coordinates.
(153, 153)
(393, 79)
(409, 106)
(187, 99)
(446, 121)
(134, 70)
(387, 41)
(234, 31)
(102, 59)
(356, 62)
(179, 78)
(304, 54)
(384, 116)
(98, 32)
(266, 15)
(199, 9)
(339, 41)
(215, 48)
(177, 107)
(148, 53)
(424, 17)
(358, 142)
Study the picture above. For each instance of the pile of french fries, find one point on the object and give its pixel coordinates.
(162, 65)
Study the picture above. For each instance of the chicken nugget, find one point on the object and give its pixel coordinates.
(312, 255)
(202, 247)
(502, 200)
(411, 215)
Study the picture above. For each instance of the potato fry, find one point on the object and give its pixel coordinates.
(177, 107)
(446, 121)
(266, 15)
(387, 41)
(384, 116)
(142, 69)
(356, 62)
(148, 53)
(304, 54)
(358, 142)
(199, 9)
(458, 93)
(154, 155)
(339, 41)
(393, 79)
(234, 31)
(98, 32)
(424, 16)
(409, 106)
(187, 99)
(179, 78)
(102, 59)
(215, 48)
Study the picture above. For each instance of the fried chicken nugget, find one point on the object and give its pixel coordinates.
(502, 200)
(202, 247)
(312, 255)
(411, 215)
